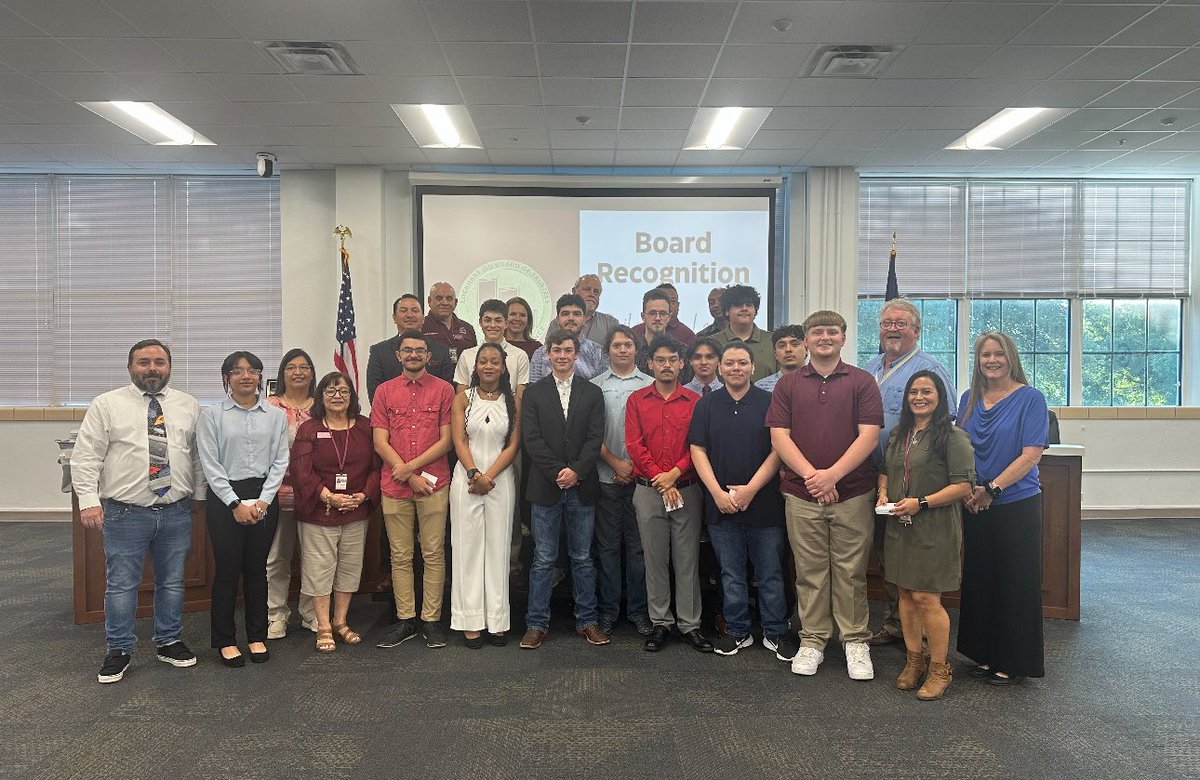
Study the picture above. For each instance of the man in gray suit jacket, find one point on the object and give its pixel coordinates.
(562, 427)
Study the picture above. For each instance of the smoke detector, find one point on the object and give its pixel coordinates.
(311, 58)
(851, 61)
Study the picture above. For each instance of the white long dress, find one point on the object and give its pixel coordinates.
(482, 526)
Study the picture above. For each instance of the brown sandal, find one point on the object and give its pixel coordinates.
(325, 643)
(347, 634)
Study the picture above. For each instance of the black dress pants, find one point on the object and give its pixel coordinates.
(240, 554)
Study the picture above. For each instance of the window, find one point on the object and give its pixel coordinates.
(1131, 352)
(1040, 329)
(100, 262)
(939, 329)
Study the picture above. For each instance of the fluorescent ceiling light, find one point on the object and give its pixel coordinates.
(148, 122)
(731, 127)
(1007, 128)
(436, 126)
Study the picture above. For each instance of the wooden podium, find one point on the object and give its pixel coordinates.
(1060, 471)
(87, 552)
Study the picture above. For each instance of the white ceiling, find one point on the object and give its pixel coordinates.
(527, 69)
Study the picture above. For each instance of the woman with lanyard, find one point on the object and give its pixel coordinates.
(929, 469)
(336, 473)
(294, 387)
(485, 422)
(243, 446)
(1000, 617)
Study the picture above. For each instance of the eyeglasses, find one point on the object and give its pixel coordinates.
(894, 324)
(658, 314)
(297, 369)
(337, 392)
(659, 360)
(246, 372)
(412, 351)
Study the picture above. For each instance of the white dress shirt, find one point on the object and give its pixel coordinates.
(564, 392)
(112, 454)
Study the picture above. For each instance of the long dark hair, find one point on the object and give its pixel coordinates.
(510, 401)
(281, 377)
(940, 424)
(317, 412)
(230, 362)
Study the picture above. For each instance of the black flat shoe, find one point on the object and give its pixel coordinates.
(658, 638)
(260, 658)
(474, 643)
(236, 662)
(698, 641)
(980, 672)
(997, 679)
(497, 640)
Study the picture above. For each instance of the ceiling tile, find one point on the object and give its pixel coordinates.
(1097, 118)
(16, 27)
(68, 18)
(31, 55)
(880, 118)
(507, 117)
(807, 118)
(1140, 161)
(744, 92)
(464, 20)
(651, 157)
(906, 92)
(781, 158)
(985, 92)
(76, 86)
(536, 138)
(1065, 94)
(581, 59)
(921, 139)
(583, 139)
(824, 92)
(671, 61)
(1079, 24)
(64, 112)
(575, 157)
(385, 58)
(574, 92)
(566, 117)
(171, 86)
(651, 139)
(1144, 94)
(853, 139)
(1056, 140)
(981, 22)
(174, 18)
(809, 19)
(1183, 67)
(1191, 100)
(1184, 119)
(785, 139)
(950, 117)
(417, 89)
(881, 22)
(253, 87)
(491, 59)
(937, 61)
(1186, 142)
(682, 22)
(1124, 141)
(275, 20)
(965, 158)
(896, 157)
(1079, 160)
(1028, 62)
(1167, 26)
(394, 21)
(663, 92)
(393, 155)
(834, 157)
(763, 60)
(1107, 62)
(704, 157)
(581, 22)
(481, 90)
(656, 118)
(127, 55)
(1020, 158)
(522, 157)
(346, 89)
(218, 56)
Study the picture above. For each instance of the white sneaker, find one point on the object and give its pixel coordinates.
(807, 661)
(277, 629)
(858, 661)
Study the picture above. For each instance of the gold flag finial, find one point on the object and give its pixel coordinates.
(343, 232)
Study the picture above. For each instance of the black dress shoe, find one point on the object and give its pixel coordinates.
(980, 672)
(260, 658)
(658, 638)
(698, 641)
(237, 661)
(1002, 680)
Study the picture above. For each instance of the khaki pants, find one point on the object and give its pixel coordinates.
(331, 557)
(279, 574)
(428, 515)
(831, 544)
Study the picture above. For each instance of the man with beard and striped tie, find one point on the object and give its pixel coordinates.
(135, 472)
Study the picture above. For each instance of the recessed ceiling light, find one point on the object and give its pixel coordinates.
(781, 25)
(730, 127)
(1008, 127)
(436, 126)
(148, 122)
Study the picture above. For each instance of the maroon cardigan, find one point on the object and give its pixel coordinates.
(315, 463)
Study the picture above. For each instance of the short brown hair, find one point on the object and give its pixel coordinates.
(824, 317)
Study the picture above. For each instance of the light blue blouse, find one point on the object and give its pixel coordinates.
(237, 443)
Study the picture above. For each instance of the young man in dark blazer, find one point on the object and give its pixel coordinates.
(383, 364)
(562, 427)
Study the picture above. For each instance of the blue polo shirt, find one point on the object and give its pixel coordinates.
(737, 441)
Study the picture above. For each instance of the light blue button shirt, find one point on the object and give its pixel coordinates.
(617, 390)
(698, 387)
(768, 382)
(590, 361)
(892, 388)
(236, 443)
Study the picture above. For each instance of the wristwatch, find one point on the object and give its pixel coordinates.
(994, 490)
(923, 503)
(472, 473)
(233, 504)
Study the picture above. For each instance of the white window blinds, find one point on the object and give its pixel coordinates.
(1135, 238)
(1022, 238)
(928, 218)
(26, 326)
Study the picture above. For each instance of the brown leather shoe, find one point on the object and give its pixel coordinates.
(936, 683)
(533, 638)
(910, 675)
(593, 634)
(883, 637)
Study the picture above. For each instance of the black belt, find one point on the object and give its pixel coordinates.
(681, 484)
(152, 507)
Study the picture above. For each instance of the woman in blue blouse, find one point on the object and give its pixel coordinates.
(1000, 625)
(243, 446)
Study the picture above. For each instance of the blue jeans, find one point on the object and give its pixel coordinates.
(616, 527)
(735, 543)
(130, 532)
(548, 520)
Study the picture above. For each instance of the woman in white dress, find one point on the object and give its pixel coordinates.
(485, 423)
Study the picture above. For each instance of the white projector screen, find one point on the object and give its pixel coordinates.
(501, 243)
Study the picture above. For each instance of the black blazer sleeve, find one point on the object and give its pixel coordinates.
(536, 424)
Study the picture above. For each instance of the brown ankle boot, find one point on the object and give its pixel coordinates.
(937, 682)
(910, 675)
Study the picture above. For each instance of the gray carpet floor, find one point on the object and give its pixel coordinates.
(1121, 698)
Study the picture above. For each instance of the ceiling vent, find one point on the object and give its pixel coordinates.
(851, 62)
(311, 58)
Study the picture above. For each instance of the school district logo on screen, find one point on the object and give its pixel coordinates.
(506, 279)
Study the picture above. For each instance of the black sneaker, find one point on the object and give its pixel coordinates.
(402, 631)
(607, 623)
(727, 644)
(435, 635)
(115, 664)
(785, 646)
(643, 625)
(176, 654)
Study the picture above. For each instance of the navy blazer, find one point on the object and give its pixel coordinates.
(554, 442)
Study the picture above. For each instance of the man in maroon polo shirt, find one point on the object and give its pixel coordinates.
(443, 325)
(825, 419)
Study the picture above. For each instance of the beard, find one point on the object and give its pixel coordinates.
(151, 383)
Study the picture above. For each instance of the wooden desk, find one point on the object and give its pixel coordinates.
(1060, 470)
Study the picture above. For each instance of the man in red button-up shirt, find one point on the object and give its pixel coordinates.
(667, 498)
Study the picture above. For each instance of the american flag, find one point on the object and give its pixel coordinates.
(344, 357)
